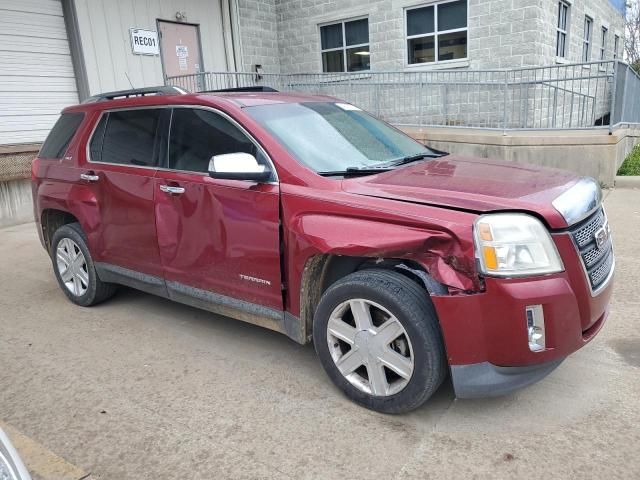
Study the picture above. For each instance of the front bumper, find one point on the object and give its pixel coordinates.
(487, 380)
(485, 334)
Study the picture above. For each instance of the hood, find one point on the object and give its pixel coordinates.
(471, 184)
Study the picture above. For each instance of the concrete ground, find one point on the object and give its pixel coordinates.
(143, 388)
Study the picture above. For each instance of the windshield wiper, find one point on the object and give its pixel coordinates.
(382, 167)
(412, 158)
(355, 171)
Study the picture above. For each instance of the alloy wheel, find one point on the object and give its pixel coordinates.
(370, 347)
(72, 267)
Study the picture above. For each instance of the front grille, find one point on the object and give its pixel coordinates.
(592, 254)
(599, 274)
(598, 262)
(583, 235)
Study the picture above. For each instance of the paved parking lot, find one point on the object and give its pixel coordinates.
(143, 388)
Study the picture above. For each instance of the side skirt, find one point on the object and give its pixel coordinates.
(130, 278)
(262, 316)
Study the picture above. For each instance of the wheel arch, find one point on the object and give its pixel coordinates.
(322, 271)
(51, 219)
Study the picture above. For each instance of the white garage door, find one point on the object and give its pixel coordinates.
(36, 72)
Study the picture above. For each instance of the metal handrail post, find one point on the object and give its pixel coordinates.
(504, 96)
(612, 110)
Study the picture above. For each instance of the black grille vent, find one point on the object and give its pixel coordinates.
(598, 261)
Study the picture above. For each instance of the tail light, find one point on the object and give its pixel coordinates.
(34, 168)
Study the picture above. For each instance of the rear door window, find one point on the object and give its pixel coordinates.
(60, 136)
(128, 137)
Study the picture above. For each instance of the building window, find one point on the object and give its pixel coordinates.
(603, 45)
(345, 46)
(587, 39)
(562, 30)
(437, 33)
(616, 45)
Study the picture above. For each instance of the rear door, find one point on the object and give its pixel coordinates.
(123, 158)
(216, 235)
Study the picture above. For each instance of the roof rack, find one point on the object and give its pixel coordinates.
(137, 92)
(254, 88)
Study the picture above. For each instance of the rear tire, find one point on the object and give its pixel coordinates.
(74, 267)
(352, 326)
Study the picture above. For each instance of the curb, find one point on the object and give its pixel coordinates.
(627, 182)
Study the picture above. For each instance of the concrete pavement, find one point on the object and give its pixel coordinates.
(143, 388)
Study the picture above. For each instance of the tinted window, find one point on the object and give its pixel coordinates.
(197, 135)
(127, 137)
(61, 134)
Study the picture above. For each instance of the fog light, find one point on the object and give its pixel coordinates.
(535, 328)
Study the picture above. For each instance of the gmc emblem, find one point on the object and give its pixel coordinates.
(602, 235)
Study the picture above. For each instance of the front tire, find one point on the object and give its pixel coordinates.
(74, 267)
(378, 338)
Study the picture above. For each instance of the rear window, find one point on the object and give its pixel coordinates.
(63, 131)
(127, 137)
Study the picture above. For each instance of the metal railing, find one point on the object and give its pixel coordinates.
(572, 96)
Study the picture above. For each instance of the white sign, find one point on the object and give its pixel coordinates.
(144, 42)
(182, 51)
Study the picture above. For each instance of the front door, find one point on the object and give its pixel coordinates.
(216, 235)
(180, 49)
(123, 156)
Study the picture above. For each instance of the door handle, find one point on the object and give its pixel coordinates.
(171, 189)
(89, 177)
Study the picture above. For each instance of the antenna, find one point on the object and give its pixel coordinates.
(130, 82)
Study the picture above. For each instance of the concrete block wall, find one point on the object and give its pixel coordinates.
(502, 33)
(506, 34)
(258, 24)
(602, 13)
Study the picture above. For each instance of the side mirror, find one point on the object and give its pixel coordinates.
(238, 166)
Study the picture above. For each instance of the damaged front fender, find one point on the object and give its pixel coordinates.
(444, 254)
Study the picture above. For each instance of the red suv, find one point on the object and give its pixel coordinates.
(308, 216)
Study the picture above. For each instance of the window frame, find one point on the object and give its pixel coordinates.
(226, 117)
(158, 136)
(165, 136)
(587, 39)
(603, 42)
(434, 34)
(616, 46)
(344, 46)
(563, 32)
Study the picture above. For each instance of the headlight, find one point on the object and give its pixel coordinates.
(514, 245)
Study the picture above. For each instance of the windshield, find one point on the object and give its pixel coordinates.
(333, 137)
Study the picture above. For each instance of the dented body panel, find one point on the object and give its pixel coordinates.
(337, 223)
